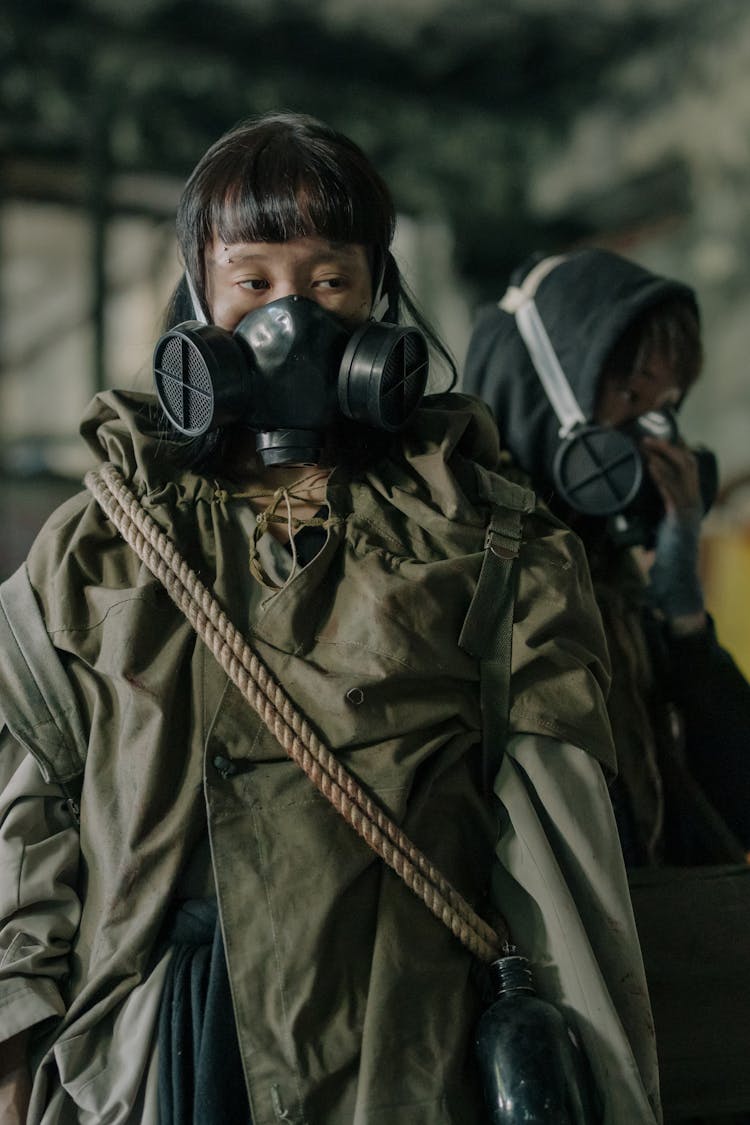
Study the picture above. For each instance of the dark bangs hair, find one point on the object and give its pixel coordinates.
(280, 177)
(670, 329)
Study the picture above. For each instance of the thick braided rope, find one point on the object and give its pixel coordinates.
(292, 731)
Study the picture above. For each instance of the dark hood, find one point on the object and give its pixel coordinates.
(585, 303)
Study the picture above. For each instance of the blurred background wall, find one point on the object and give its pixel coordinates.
(502, 126)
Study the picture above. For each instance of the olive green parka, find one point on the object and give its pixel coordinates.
(353, 1004)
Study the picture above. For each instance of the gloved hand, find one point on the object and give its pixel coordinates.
(674, 583)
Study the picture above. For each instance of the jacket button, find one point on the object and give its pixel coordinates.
(355, 696)
(228, 767)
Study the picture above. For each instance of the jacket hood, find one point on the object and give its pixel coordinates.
(128, 429)
(585, 303)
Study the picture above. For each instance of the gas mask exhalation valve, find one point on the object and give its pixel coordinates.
(289, 372)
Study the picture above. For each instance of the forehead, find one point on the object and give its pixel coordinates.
(663, 370)
(309, 250)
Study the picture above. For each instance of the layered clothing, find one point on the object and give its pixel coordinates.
(679, 706)
(352, 1003)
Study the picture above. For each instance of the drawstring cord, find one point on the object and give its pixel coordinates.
(290, 728)
(286, 495)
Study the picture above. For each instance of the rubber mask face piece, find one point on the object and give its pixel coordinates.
(289, 371)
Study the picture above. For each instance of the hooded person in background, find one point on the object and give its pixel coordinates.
(207, 939)
(584, 362)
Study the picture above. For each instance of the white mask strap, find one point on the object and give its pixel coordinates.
(380, 306)
(198, 312)
(380, 301)
(519, 301)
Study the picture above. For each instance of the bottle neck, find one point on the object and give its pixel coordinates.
(512, 975)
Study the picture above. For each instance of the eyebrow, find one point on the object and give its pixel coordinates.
(334, 251)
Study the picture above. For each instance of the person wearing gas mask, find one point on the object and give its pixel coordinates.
(275, 787)
(585, 362)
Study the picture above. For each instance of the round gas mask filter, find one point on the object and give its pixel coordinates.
(184, 361)
(598, 470)
(383, 375)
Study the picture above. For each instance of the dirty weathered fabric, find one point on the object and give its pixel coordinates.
(340, 977)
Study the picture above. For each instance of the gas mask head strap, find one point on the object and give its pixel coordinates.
(385, 302)
(518, 300)
(198, 310)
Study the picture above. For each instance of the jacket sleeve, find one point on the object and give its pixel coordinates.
(714, 699)
(39, 905)
(560, 882)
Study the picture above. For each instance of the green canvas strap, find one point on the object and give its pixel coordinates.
(37, 701)
(488, 627)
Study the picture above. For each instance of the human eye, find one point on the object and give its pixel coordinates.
(330, 282)
(254, 284)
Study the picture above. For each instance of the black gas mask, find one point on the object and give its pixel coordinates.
(290, 372)
(600, 471)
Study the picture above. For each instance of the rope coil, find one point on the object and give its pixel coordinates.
(293, 732)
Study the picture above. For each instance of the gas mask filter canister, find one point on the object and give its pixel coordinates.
(599, 471)
(290, 371)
